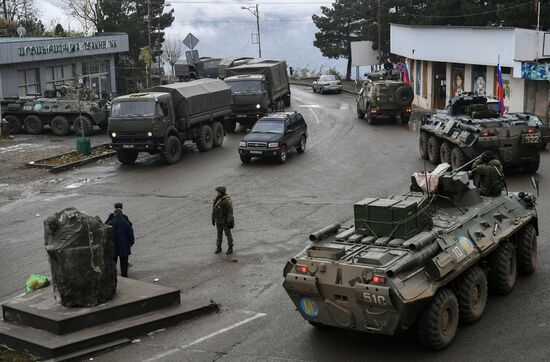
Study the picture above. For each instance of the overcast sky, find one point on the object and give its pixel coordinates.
(224, 29)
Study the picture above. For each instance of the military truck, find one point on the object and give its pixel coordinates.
(59, 109)
(162, 118)
(206, 67)
(258, 87)
(384, 95)
(468, 127)
(422, 260)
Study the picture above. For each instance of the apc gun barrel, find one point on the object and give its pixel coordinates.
(324, 232)
(469, 128)
(467, 164)
(420, 240)
(415, 259)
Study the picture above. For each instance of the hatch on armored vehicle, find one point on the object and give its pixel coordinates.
(469, 127)
(424, 259)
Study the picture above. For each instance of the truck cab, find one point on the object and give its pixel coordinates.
(250, 98)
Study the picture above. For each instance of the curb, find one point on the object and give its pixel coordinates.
(55, 169)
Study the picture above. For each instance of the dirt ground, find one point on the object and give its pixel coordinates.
(7, 355)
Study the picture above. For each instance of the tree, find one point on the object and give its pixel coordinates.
(88, 13)
(339, 25)
(59, 31)
(25, 14)
(172, 51)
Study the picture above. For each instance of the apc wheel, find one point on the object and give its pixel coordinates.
(302, 145)
(434, 146)
(127, 157)
(472, 297)
(438, 321)
(206, 138)
(371, 118)
(526, 240)
(502, 275)
(314, 91)
(171, 152)
(82, 126)
(283, 154)
(318, 325)
(33, 124)
(532, 166)
(458, 158)
(423, 145)
(445, 152)
(218, 134)
(360, 113)
(245, 159)
(60, 126)
(14, 126)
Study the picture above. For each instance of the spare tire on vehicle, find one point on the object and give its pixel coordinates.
(404, 95)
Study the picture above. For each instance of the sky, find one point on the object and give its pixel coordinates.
(224, 29)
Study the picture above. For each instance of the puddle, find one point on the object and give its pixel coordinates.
(82, 183)
(18, 147)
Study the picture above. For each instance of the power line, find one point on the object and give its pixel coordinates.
(240, 21)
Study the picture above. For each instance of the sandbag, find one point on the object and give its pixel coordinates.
(81, 259)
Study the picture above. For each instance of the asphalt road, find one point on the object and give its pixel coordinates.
(276, 206)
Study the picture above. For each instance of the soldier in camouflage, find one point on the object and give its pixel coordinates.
(222, 218)
(488, 174)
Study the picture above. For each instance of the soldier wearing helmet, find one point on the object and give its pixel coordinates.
(488, 174)
(222, 218)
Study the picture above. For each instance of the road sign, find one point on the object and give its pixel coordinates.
(192, 56)
(190, 41)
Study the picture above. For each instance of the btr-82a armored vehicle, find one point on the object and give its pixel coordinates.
(60, 109)
(424, 260)
(468, 127)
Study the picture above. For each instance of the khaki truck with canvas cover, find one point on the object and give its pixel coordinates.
(424, 259)
(258, 87)
(162, 118)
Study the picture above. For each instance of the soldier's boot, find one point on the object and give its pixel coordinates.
(229, 250)
(218, 250)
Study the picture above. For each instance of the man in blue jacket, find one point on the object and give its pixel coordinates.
(123, 239)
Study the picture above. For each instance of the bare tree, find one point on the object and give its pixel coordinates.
(88, 13)
(172, 51)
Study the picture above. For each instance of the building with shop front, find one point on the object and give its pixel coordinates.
(29, 66)
(447, 60)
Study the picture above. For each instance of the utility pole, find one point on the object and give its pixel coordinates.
(149, 39)
(538, 15)
(379, 32)
(5, 9)
(256, 13)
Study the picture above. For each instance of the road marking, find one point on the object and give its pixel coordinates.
(202, 339)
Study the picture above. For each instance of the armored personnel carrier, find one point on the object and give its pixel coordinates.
(422, 259)
(468, 127)
(60, 109)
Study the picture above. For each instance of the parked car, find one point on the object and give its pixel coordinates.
(327, 83)
(274, 136)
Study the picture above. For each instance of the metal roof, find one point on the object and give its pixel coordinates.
(459, 27)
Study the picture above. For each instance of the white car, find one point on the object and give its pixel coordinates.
(327, 83)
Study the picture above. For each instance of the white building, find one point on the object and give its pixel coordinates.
(446, 60)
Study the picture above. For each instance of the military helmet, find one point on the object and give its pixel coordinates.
(220, 189)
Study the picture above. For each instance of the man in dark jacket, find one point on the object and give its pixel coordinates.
(488, 174)
(222, 218)
(118, 205)
(123, 239)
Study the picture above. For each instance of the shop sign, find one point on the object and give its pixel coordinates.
(535, 71)
(68, 47)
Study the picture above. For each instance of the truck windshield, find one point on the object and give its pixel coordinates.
(137, 108)
(245, 86)
(268, 127)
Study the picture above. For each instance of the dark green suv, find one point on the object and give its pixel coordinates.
(379, 98)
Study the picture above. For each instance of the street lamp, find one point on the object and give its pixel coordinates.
(254, 11)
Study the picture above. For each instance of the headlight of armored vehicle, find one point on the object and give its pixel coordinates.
(242, 144)
(113, 135)
(273, 145)
(258, 106)
(150, 134)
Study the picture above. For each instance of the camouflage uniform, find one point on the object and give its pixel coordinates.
(489, 177)
(222, 217)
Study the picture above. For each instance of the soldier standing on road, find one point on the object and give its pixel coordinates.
(222, 218)
(118, 205)
(488, 174)
(123, 239)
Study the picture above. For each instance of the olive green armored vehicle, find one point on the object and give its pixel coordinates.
(419, 260)
(59, 109)
(468, 127)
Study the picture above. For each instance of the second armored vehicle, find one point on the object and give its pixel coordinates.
(163, 118)
(468, 127)
(423, 260)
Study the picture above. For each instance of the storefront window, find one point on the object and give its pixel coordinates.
(60, 75)
(96, 77)
(28, 82)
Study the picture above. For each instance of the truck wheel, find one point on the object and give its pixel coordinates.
(434, 146)
(14, 126)
(245, 159)
(60, 126)
(127, 157)
(360, 113)
(526, 240)
(171, 152)
(218, 134)
(302, 145)
(314, 90)
(472, 295)
(286, 100)
(532, 166)
(33, 124)
(82, 123)
(438, 321)
(458, 158)
(502, 273)
(445, 152)
(283, 154)
(423, 145)
(103, 126)
(404, 118)
(230, 125)
(206, 139)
